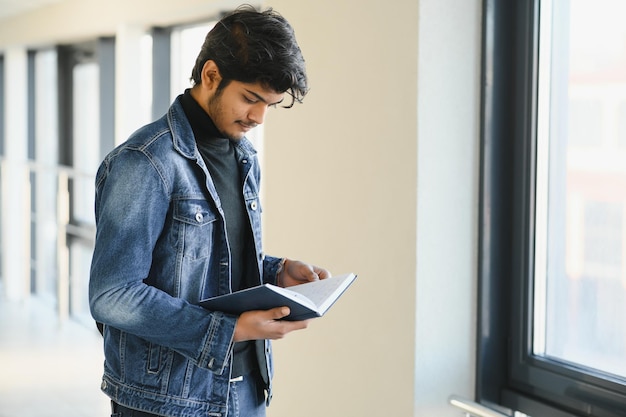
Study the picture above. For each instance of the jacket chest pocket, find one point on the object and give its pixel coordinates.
(195, 223)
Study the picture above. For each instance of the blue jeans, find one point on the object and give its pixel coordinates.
(246, 399)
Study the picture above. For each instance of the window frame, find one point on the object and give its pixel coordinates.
(507, 373)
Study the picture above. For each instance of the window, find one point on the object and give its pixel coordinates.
(583, 287)
(552, 339)
(186, 44)
(1, 148)
(43, 133)
(1, 105)
(86, 92)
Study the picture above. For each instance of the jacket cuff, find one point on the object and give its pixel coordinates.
(218, 343)
(271, 266)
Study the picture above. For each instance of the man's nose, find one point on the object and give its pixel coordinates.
(257, 113)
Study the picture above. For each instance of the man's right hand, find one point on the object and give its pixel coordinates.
(266, 324)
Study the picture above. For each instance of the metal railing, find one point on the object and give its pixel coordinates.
(51, 195)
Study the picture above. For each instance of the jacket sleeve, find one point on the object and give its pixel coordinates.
(132, 200)
(270, 269)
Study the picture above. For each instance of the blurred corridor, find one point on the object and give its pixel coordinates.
(49, 368)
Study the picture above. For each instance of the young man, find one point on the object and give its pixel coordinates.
(179, 220)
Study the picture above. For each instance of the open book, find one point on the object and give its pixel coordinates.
(306, 301)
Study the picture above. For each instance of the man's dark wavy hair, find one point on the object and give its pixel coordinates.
(255, 46)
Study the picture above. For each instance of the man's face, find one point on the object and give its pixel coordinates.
(239, 107)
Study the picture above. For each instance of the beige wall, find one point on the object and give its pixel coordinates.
(341, 178)
(375, 173)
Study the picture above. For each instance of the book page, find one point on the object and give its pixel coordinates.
(295, 296)
(324, 291)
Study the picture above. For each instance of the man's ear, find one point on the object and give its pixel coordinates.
(211, 76)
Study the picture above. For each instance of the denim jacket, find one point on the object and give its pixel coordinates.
(160, 248)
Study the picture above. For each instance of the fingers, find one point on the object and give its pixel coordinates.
(315, 273)
(266, 325)
(322, 273)
(311, 275)
(279, 312)
(297, 272)
(277, 329)
(312, 272)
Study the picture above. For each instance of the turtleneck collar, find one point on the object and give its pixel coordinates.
(201, 123)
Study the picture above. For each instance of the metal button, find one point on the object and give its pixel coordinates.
(253, 205)
(199, 217)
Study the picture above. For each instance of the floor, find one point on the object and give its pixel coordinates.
(48, 368)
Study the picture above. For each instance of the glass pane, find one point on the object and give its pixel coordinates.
(1, 105)
(580, 292)
(1, 152)
(47, 153)
(86, 144)
(186, 44)
(86, 148)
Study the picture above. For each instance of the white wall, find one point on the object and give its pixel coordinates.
(448, 157)
(375, 173)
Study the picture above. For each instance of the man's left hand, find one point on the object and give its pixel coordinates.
(296, 272)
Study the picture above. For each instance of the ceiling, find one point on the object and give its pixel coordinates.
(10, 8)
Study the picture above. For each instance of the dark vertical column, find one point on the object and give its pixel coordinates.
(106, 63)
(66, 62)
(161, 72)
(495, 200)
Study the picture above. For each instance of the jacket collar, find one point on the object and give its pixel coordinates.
(182, 134)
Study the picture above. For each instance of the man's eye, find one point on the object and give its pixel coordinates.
(249, 100)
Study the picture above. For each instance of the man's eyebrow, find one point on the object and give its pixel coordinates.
(261, 98)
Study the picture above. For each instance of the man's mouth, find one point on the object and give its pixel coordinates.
(248, 126)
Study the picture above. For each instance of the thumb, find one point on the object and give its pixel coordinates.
(280, 312)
